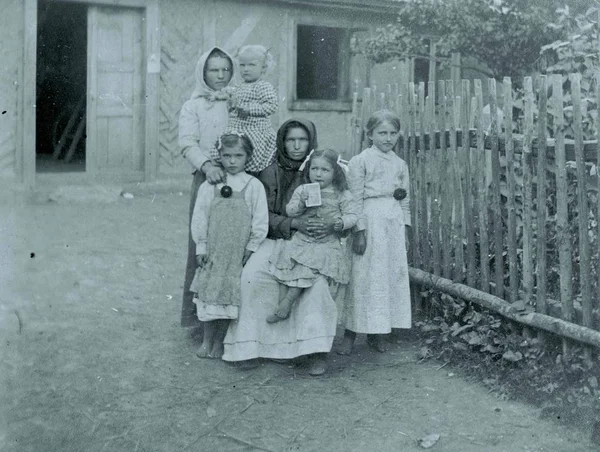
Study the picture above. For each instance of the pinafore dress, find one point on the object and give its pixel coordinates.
(218, 283)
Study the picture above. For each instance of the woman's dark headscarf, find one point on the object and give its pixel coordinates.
(283, 161)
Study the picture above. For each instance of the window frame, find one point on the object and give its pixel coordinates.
(344, 102)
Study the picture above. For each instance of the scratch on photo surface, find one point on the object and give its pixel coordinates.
(20, 321)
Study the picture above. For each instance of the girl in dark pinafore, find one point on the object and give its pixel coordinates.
(230, 221)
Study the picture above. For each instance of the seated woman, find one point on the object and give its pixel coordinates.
(311, 326)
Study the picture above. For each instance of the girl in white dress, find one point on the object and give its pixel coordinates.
(378, 293)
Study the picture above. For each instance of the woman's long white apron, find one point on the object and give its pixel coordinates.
(310, 328)
(378, 295)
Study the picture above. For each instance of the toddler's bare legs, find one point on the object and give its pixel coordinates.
(347, 343)
(217, 348)
(210, 329)
(288, 296)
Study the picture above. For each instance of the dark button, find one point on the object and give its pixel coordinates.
(226, 191)
(399, 194)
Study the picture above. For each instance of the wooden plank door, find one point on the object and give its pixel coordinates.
(115, 113)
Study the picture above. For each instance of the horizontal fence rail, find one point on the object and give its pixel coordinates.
(493, 209)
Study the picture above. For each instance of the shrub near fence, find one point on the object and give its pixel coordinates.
(499, 214)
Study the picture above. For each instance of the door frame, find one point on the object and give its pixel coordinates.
(151, 13)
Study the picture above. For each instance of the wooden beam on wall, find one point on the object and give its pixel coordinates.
(284, 62)
(28, 88)
(151, 144)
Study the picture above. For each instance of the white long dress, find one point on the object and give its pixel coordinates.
(378, 296)
(310, 328)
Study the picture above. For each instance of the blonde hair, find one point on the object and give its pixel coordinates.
(379, 117)
(260, 51)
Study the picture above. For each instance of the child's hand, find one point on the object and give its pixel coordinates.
(338, 226)
(359, 242)
(242, 113)
(232, 102)
(201, 260)
(247, 254)
(408, 241)
(303, 196)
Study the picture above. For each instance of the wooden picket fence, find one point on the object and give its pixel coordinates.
(493, 212)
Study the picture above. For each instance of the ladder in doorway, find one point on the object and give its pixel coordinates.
(69, 134)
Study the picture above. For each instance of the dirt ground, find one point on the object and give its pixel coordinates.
(93, 358)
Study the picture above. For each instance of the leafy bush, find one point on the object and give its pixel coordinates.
(578, 52)
(503, 36)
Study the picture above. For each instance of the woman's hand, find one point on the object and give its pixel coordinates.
(313, 226)
(247, 254)
(321, 227)
(359, 242)
(214, 174)
(301, 224)
(338, 226)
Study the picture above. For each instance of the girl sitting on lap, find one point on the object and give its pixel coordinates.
(296, 263)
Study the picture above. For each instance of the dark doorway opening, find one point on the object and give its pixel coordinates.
(61, 86)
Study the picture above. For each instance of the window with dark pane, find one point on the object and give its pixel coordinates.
(319, 50)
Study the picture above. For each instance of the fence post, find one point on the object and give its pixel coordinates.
(495, 188)
(445, 199)
(423, 162)
(598, 171)
(459, 216)
(527, 192)
(541, 199)
(483, 198)
(469, 213)
(365, 112)
(582, 204)
(455, 72)
(510, 177)
(435, 182)
(412, 102)
(563, 234)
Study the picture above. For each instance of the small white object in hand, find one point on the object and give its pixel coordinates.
(313, 191)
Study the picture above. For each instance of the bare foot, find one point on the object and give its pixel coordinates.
(282, 312)
(217, 350)
(318, 366)
(346, 346)
(377, 342)
(204, 351)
